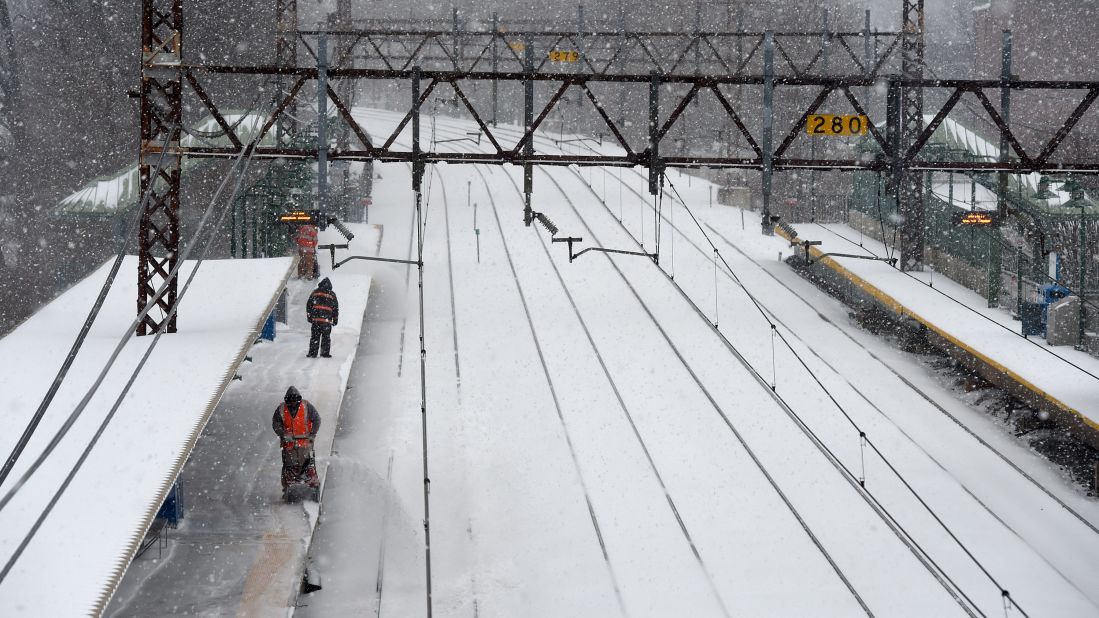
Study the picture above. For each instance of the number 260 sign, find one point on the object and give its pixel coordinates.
(825, 124)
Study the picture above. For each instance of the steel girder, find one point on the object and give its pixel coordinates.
(611, 52)
(898, 156)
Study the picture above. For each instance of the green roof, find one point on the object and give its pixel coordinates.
(118, 193)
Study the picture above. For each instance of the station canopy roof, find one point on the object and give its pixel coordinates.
(963, 144)
(117, 193)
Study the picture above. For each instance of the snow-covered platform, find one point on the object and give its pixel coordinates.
(1058, 379)
(73, 563)
(241, 550)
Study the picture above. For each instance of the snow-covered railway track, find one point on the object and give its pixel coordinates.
(579, 280)
(702, 389)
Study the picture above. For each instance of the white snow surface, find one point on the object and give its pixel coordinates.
(1065, 374)
(73, 563)
(597, 450)
(241, 550)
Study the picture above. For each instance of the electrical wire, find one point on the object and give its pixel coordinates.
(129, 383)
(958, 302)
(816, 439)
(846, 415)
(898, 529)
(97, 305)
(713, 402)
(127, 335)
(938, 571)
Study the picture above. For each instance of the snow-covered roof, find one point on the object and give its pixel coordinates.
(955, 135)
(85, 544)
(965, 194)
(119, 192)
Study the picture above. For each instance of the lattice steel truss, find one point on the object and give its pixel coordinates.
(673, 109)
(899, 132)
(910, 186)
(615, 52)
(161, 115)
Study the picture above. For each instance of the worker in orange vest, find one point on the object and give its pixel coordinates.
(296, 423)
(306, 239)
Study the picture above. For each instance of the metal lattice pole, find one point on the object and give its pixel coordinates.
(161, 110)
(910, 194)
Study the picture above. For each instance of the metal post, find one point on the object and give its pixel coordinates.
(454, 38)
(417, 162)
(698, 39)
(578, 67)
(286, 55)
(893, 126)
(495, 66)
(417, 184)
(995, 257)
(910, 198)
(161, 112)
(1019, 283)
(626, 61)
(322, 123)
(528, 121)
(867, 55)
(233, 227)
(1081, 286)
(824, 44)
(654, 127)
(345, 90)
(768, 125)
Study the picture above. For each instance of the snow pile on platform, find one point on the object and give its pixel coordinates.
(73, 564)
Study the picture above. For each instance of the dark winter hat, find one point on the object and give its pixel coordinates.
(293, 397)
(325, 284)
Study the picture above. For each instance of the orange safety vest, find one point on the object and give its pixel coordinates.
(307, 237)
(297, 429)
(317, 306)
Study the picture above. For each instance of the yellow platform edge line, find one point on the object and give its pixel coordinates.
(900, 309)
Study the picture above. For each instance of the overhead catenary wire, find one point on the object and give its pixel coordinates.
(590, 507)
(622, 405)
(126, 337)
(450, 280)
(1075, 514)
(787, 343)
(789, 505)
(936, 570)
(560, 415)
(924, 556)
(93, 313)
(1041, 487)
(958, 302)
(129, 383)
(862, 435)
(717, 407)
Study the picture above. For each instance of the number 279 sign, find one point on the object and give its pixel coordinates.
(826, 124)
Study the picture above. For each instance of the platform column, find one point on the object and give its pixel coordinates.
(161, 110)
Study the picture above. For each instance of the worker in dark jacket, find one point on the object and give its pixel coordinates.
(296, 423)
(323, 312)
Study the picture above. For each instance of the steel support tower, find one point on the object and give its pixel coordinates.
(908, 184)
(161, 110)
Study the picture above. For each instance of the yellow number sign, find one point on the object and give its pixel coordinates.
(564, 55)
(517, 46)
(826, 124)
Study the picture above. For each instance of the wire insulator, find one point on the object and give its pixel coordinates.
(546, 223)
